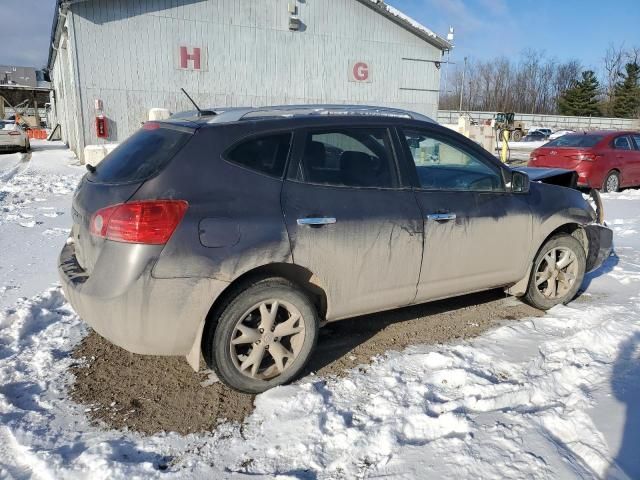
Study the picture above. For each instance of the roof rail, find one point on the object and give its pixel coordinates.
(288, 111)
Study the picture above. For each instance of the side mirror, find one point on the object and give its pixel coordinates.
(520, 182)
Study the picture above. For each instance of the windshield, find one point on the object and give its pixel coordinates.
(579, 140)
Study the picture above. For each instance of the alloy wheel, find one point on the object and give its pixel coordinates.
(557, 272)
(267, 339)
(612, 183)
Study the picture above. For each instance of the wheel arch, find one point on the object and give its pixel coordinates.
(300, 276)
(570, 228)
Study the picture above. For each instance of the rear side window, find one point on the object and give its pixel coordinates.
(636, 138)
(352, 157)
(579, 140)
(622, 143)
(142, 155)
(266, 154)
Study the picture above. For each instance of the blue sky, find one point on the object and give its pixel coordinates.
(484, 28)
(564, 29)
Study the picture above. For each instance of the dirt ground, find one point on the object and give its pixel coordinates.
(152, 394)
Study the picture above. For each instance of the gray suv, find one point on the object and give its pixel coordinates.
(237, 233)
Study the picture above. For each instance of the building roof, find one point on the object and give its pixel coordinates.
(407, 23)
(379, 6)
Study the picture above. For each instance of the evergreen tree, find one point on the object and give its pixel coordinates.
(582, 98)
(626, 94)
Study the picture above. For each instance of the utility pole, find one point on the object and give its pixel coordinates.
(464, 71)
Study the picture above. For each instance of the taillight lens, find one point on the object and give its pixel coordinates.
(149, 222)
(14, 133)
(533, 156)
(585, 157)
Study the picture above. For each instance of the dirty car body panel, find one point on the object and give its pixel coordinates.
(346, 206)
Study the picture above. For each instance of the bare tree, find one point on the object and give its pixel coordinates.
(532, 84)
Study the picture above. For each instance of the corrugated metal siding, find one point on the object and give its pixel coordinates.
(127, 56)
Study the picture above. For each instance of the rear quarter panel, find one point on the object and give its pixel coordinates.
(234, 222)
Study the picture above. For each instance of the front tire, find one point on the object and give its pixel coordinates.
(611, 182)
(516, 135)
(557, 274)
(264, 336)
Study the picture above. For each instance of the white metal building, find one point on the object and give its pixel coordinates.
(122, 58)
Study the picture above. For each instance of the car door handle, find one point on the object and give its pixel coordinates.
(441, 217)
(316, 221)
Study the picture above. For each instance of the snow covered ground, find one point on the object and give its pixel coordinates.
(35, 194)
(550, 397)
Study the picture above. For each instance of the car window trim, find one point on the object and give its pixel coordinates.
(253, 136)
(450, 139)
(300, 139)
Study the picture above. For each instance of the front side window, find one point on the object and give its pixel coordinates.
(622, 143)
(266, 154)
(352, 157)
(443, 166)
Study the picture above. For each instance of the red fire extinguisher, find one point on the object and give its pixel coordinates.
(101, 126)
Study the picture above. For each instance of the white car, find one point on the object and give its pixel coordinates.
(13, 137)
(559, 134)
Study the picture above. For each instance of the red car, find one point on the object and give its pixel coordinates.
(604, 160)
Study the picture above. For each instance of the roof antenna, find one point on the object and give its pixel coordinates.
(201, 113)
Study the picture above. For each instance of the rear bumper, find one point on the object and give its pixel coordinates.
(12, 143)
(131, 308)
(600, 240)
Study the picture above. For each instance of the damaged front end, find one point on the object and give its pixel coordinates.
(551, 176)
(599, 236)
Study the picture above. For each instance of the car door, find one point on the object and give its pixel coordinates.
(477, 235)
(634, 163)
(624, 153)
(349, 222)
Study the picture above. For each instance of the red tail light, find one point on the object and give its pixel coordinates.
(149, 222)
(533, 156)
(585, 157)
(13, 133)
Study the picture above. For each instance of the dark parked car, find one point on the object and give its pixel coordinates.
(238, 233)
(535, 136)
(605, 160)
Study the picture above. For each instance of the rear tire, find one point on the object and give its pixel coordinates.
(611, 182)
(253, 348)
(557, 273)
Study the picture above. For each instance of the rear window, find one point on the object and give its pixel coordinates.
(579, 140)
(142, 155)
